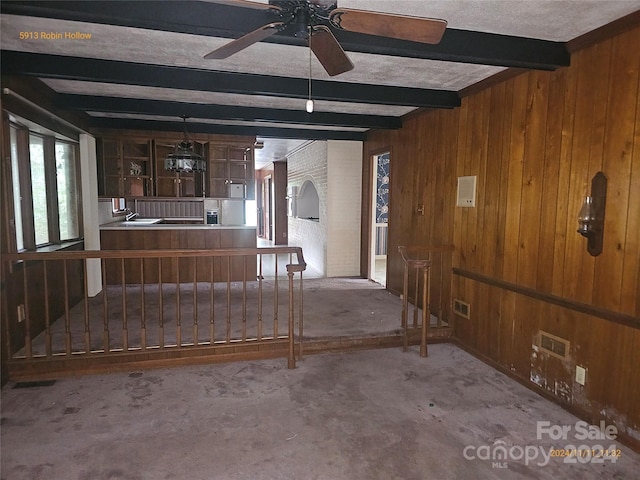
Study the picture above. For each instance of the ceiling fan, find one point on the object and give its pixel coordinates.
(312, 18)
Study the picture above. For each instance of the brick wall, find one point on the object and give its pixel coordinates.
(332, 244)
(310, 163)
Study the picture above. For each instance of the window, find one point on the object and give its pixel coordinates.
(17, 198)
(46, 192)
(66, 180)
(38, 189)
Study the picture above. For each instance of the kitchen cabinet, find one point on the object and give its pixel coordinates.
(178, 184)
(133, 166)
(231, 171)
(125, 167)
(184, 270)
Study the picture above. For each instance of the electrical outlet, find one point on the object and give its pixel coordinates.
(581, 375)
(21, 313)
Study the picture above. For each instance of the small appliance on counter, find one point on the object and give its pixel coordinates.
(212, 217)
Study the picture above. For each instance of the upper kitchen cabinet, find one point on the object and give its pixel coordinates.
(178, 184)
(231, 171)
(125, 167)
(130, 165)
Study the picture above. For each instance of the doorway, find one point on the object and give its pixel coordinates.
(381, 170)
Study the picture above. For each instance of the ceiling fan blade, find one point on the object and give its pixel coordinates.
(403, 27)
(329, 52)
(243, 42)
(247, 4)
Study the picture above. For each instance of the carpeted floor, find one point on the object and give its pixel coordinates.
(369, 415)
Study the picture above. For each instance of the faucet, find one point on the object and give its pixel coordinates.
(131, 215)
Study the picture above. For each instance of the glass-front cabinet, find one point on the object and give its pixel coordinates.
(231, 172)
(125, 167)
(135, 167)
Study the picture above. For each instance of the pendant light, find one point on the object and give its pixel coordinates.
(183, 158)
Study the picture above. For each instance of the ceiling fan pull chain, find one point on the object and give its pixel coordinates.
(310, 101)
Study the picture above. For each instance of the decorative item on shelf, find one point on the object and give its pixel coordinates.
(183, 158)
(591, 215)
(135, 169)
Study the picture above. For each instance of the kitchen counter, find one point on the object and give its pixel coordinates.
(168, 236)
(161, 224)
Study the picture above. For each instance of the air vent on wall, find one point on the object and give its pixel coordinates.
(553, 345)
(461, 308)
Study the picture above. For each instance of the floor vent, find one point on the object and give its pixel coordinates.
(461, 308)
(42, 383)
(555, 346)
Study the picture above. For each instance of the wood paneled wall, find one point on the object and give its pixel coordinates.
(535, 141)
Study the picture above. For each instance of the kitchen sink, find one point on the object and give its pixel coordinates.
(143, 221)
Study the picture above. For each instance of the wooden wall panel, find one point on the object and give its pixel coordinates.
(535, 141)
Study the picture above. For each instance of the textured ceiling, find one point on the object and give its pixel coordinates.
(177, 35)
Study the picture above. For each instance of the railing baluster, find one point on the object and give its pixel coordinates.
(426, 315)
(105, 307)
(27, 315)
(212, 302)
(275, 300)
(292, 356)
(178, 309)
(405, 306)
(195, 301)
(441, 310)
(415, 304)
(244, 299)
(300, 319)
(160, 306)
(143, 319)
(228, 336)
(259, 333)
(47, 315)
(87, 326)
(67, 319)
(125, 325)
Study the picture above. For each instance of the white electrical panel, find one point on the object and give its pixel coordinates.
(466, 191)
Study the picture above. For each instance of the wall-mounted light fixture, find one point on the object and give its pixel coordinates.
(591, 215)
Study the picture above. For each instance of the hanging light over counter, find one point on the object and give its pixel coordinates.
(183, 158)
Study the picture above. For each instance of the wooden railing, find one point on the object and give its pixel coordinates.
(421, 265)
(135, 320)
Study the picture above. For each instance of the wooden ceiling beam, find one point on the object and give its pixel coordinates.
(222, 112)
(208, 128)
(128, 73)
